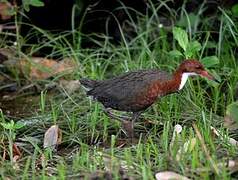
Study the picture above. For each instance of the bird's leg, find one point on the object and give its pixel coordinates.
(128, 126)
(114, 116)
(127, 122)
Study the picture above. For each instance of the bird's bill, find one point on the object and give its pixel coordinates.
(206, 74)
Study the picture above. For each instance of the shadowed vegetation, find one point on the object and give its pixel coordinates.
(95, 146)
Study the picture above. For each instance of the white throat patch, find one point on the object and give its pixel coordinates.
(185, 78)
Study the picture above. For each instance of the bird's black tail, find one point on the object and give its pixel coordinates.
(88, 84)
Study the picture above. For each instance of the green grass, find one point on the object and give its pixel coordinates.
(93, 144)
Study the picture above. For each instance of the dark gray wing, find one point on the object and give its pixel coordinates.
(122, 91)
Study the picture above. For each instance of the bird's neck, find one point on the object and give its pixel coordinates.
(172, 85)
(176, 83)
(180, 78)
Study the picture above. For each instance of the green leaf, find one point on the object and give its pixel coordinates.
(28, 3)
(232, 111)
(192, 49)
(36, 3)
(18, 125)
(181, 36)
(210, 61)
(175, 53)
(234, 10)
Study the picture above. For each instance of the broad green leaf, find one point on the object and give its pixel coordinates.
(232, 111)
(181, 36)
(234, 9)
(210, 61)
(175, 53)
(192, 49)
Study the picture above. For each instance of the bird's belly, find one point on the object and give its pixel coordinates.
(145, 102)
(135, 105)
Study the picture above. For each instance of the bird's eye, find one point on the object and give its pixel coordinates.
(198, 67)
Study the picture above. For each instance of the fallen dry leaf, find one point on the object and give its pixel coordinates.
(37, 68)
(16, 152)
(53, 137)
(169, 175)
(42, 68)
(5, 10)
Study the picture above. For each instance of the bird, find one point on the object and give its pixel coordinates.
(137, 90)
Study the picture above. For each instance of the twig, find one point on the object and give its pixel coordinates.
(5, 27)
(214, 166)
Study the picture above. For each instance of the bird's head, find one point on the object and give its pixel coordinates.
(193, 67)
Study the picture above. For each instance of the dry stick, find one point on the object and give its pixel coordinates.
(205, 149)
(3, 27)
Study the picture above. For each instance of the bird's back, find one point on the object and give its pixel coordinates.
(128, 92)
